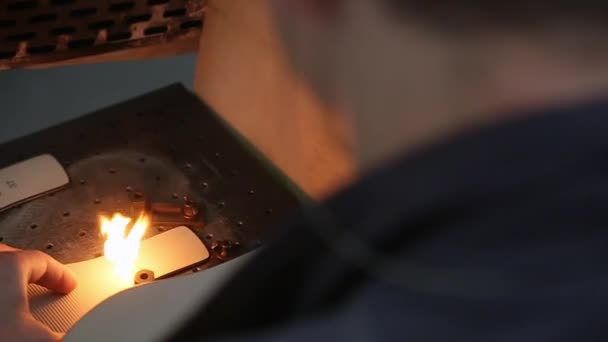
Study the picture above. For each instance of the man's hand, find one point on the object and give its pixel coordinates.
(18, 268)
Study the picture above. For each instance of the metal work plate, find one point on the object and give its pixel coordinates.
(164, 145)
(44, 31)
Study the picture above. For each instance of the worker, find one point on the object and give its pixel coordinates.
(480, 129)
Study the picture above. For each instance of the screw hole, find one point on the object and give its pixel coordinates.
(208, 236)
(33, 50)
(21, 36)
(174, 12)
(217, 155)
(119, 36)
(251, 192)
(221, 204)
(104, 24)
(9, 53)
(43, 18)
(191, 24)
(196, 269)
(269, 211)
(49, 246)
(239, 224)
(112, 170)
(158, 178)
(81, 43)
(8, 23)
(144, 276)
(83, 12)
(155, 30)
(97, 201)
(61, 2)
(175, 196)
(121, 6)
(205, 184)
(128, 189)
(1, 238)
(63, 30)
(33, 226)
(188, 166)
(81, 234)
(160, 228)
(142, 160)
(136, 19)
(66, 213)
(82, 182)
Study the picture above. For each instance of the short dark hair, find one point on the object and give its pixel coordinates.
(504, 14)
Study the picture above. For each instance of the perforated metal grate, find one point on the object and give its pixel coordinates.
(38, 31)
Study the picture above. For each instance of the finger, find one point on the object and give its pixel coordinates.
(7, 248)
(39, 268)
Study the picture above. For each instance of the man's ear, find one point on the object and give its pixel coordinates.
(317, 10)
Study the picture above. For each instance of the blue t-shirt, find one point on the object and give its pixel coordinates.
(499, 234)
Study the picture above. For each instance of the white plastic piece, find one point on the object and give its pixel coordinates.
(155, 311)
(171, 251)
(30, 178)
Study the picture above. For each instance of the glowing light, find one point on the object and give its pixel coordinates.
(120, 248)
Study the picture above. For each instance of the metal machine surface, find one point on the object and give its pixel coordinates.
(165, 152)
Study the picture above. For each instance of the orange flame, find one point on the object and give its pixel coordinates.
(122, 249)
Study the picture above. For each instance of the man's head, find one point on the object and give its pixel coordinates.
(411, 72)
